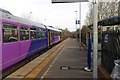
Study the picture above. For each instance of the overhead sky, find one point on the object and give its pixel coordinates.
(58, 15)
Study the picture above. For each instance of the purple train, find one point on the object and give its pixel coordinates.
(21, 38)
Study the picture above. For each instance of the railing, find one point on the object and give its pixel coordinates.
(110, 49)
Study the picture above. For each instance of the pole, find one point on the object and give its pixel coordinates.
(80, 24)
(30, 15)
(76, 24)
(95, 39)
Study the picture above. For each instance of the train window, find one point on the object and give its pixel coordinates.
(52, 33)
(56, 34)
(24, 33)
(10, 33)
(32, 33)
(41, 33)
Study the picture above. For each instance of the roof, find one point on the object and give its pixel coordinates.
(8, 16)
(108, 21)
(5, 11)
(52, 28)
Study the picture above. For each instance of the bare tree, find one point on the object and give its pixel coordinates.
(105, 10)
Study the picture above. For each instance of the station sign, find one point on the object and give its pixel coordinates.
(77, 22)
(68, 1)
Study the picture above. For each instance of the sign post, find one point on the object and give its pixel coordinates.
(80, 25)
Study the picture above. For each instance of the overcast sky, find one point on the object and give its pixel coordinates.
(60, 15)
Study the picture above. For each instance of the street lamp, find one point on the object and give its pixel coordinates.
(30, 15)
(80, 24)
(76, 23)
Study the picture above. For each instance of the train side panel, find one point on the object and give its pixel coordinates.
(55, 38)
(24, 48)
(11, 53)
(11, 46)
(37, 45)
(16, 51)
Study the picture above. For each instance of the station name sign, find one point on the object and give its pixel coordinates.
(68, 1)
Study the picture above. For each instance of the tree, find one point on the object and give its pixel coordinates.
(105, 10)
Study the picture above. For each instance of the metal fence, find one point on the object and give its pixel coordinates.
(110, 49)
(83, 38)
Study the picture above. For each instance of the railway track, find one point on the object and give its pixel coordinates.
(33, 68)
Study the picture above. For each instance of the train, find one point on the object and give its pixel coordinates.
(21, 38)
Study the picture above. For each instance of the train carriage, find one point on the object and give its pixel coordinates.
(53, 35)
(21, 38)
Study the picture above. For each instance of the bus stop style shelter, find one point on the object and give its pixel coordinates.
(95, 30)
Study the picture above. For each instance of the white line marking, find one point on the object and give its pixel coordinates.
(51, 65)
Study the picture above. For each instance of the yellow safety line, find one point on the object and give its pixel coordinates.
(39, 68)
(51, 65)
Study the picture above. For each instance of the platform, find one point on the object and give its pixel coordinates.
(64, 61)
(69, 63)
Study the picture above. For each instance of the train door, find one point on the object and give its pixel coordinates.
(49, 38)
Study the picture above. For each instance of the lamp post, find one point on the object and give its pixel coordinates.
(44, 21)
(30, 15)
(76, 23)
(80, 24)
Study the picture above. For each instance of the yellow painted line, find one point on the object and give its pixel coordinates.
(51, 65)
(39, 68)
